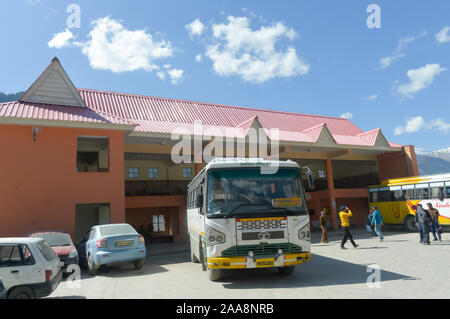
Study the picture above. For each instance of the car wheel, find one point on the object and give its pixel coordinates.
(92, 270)
(286, 270)
(22, 292)
(139, 264)
(410, 223)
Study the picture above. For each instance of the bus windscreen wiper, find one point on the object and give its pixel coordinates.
(230, 213)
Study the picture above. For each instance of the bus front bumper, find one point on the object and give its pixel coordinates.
(258, 262)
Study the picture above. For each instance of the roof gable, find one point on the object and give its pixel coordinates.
(53, 87)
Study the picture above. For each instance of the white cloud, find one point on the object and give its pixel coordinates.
(161, 75)
(347, 115)
(61, 39)
(176, 75)
(420, 79)
(418, 123)
(412, 125)
(196, 27)
(443, 36)
(112, 47)
(198, 58)
(372, 97)
(236, 49)
(34, 2)
(400, 50)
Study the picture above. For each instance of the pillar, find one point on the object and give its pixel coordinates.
(332, 198)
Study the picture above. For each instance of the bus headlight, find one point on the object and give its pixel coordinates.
(304, 233)
(214, 237)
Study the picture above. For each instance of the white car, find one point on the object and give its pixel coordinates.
(29, 268)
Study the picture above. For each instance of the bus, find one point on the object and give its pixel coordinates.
(240, 218)
(394, 198)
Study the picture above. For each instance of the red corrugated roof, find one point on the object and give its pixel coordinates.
(36, 111)
(163, 115)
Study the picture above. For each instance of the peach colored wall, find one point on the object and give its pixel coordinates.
(398, 164)
(39, 185)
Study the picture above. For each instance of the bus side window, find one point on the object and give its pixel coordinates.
(437, 193)
(447, 193)
(374, 197)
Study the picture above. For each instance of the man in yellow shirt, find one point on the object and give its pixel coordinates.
(345, 214)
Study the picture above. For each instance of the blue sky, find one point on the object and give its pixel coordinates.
(314, 57)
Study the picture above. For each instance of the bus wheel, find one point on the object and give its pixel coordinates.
(286, 270)
(194, 258)
(410, 223)
(214, 274)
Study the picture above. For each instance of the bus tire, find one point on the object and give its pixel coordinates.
(410, 223)
(214, 274)
(286, 271)
(194, 258)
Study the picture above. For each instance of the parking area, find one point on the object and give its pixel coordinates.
(407, 269)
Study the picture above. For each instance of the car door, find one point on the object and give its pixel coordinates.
(90, 242)
(18, 266)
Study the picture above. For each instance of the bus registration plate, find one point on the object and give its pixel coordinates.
(265, 262)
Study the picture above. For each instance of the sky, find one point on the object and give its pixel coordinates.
(382, 64)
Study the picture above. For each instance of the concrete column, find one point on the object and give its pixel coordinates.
(332, 198)
(198, 168)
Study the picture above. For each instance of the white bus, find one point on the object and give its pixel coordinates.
(239, 217)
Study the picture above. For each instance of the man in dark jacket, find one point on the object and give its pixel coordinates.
(423, 219)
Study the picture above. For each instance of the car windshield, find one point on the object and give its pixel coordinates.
(55, 239)
(119, 229)
(243, 190)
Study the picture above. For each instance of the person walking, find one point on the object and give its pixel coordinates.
(370, 227)
(345, 213)
(423, 223)
(434, 225)
(323, 226)
(377, 222)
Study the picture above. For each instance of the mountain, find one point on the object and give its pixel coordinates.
(433, 163)
(10, 97)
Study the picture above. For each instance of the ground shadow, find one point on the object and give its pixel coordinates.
(124, 270)
(320, 271)
(67, 297)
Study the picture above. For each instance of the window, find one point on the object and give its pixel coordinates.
(321, 173)
(133, 172)
(158, 223)
(408, 192)
(187, 172)
(397, 193)
(15, 255)
(46, 251)
(437, 190)
(92, 154)
(153, 172)
(421, 191)
(10, 256)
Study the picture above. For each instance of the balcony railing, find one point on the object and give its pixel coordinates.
(148, 188)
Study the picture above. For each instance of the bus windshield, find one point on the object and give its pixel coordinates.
(246, 190)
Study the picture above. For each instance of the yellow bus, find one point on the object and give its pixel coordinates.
(395, 197)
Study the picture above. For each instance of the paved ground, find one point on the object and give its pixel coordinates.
(408, 270)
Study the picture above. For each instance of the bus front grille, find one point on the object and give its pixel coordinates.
(260, 250)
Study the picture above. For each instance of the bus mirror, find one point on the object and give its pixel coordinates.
(310, 176)
(199, 201)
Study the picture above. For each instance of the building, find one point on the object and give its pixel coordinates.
(73, 157)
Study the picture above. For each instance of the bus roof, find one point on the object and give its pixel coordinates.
(414, 180)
